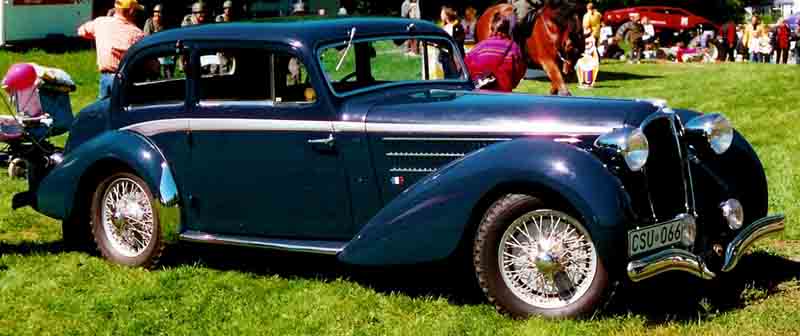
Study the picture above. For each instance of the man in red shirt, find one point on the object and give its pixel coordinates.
(113, 35)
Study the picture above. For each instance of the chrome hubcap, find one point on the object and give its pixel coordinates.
(547, 259)
(127, 217)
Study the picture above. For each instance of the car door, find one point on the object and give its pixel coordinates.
(151, 99)
(263, 158)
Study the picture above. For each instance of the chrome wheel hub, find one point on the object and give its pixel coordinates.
(547, 259)
(547, 264)
(127, 216)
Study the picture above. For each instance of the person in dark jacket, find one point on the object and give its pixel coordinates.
(797, 46)
(729, 39)
(633, 31)
(783, 36)
(453, 27)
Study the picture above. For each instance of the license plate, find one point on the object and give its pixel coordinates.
(654, 237)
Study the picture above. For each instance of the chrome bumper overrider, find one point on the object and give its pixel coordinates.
(680, 260)
(761, 228)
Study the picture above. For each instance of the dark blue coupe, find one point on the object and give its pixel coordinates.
(329, 137)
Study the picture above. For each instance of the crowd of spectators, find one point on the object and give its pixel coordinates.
(753, 41)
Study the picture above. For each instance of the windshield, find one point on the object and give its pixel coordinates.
(380, 62)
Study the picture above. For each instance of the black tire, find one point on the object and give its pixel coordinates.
(146, 257)
(486, 250)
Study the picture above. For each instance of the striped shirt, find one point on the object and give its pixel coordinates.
(501, 57)
(113, 36)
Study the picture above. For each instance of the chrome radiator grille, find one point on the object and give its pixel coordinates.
(666, 169)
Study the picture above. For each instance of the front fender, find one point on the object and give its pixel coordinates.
(427, 221)
(57, 192)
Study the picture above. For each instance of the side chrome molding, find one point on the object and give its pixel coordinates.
(307, 246)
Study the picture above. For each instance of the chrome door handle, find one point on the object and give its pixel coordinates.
(326, 143)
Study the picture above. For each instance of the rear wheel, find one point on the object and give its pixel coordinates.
(533, 260)
(125, 223)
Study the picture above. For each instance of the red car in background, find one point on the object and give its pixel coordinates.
(662, 18)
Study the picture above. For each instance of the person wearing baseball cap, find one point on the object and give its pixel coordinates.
(227, 12)
(113, 36)
(197, 17)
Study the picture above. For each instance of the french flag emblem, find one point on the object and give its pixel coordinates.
(397, 180)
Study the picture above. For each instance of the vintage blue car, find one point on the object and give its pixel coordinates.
(330, 137)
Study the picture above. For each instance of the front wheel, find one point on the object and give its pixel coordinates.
(125, 223)
(533, 260)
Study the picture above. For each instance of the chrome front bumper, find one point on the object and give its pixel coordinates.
(680, 260)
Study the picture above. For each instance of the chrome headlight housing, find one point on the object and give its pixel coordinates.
(629, 143)
(717, 130)
(689, 231)
(733, 212)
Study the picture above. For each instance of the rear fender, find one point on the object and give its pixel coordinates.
(427, 221)
(57, 192)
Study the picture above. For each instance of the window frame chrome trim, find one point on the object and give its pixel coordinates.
(318, 54)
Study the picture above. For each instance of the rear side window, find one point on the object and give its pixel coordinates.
(158, 79)
(253, 75)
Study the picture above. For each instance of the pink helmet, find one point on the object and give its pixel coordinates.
(20, 76)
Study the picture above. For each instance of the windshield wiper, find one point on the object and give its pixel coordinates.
(347, 50)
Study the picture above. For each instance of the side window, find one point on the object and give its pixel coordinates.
(156, 80)
(253, 75)
(234, 75)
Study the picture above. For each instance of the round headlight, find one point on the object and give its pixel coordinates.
(733, 212)
(717, 129)
(630, 143)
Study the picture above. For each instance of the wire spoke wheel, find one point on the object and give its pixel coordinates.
(547, 259)
(127, 217)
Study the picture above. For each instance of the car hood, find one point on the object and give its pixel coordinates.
(516, 113)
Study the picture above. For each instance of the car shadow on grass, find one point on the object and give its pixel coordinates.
(671, 297)
(447, 279)
(31, 248)
(678, 297)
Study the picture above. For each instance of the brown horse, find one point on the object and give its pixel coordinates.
(555, 38)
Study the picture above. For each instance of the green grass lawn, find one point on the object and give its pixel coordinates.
(210, 290)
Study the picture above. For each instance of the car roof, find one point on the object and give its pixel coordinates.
(306, 32)
(642, 8)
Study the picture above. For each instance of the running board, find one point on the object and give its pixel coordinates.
(306, 246)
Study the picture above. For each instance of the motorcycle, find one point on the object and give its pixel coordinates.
(38, 102)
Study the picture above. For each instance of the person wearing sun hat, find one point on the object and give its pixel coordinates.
(113, 35)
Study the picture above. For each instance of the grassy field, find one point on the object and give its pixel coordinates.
(45, 289)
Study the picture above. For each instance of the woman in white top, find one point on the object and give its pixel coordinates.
(754, 46)
(764, 43)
